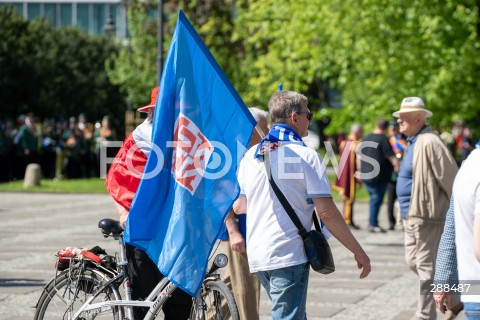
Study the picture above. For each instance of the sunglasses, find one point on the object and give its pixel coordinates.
(308, 113)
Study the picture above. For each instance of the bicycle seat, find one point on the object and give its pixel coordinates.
(110, 227)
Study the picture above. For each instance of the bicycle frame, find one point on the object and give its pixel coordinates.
(114, 278)
(198, 299)
(162, 291)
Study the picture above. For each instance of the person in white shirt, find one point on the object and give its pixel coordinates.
(466, 192)
(274, 247)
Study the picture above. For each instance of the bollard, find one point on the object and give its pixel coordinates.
(32, 175)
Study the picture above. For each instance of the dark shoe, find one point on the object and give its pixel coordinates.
(392, 227)
(353, 226)
(376, 229)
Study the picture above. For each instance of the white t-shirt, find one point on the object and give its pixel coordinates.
(273, 241)
(466, 196)
(143, 136)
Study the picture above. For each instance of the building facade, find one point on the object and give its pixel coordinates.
(94, 16)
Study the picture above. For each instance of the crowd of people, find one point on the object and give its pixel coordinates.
(63, 148)
(275, 254)
(70, 148)
(392, 146)
(439, 209)
(405, 158)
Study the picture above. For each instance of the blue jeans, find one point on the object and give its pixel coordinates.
(376, 192)
(287, 289)
(472, 310)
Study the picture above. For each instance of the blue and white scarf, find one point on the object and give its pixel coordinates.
(278, 134)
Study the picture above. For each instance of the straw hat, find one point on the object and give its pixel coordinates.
(411, 104)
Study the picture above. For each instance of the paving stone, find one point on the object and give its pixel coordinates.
(32, 231)
(22, 289)
(323, 312)
(352, 284)
(327, 296)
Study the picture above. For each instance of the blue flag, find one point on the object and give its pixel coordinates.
(200, 130)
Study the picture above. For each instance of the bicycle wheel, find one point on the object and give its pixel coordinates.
(217, 302)
(64, 295)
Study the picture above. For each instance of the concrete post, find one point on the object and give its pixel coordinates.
(33, 175)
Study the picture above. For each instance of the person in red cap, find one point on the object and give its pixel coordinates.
(122, 183)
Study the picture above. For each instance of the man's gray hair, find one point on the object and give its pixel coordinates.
(258, 114)
(282, 104)
(356, 127)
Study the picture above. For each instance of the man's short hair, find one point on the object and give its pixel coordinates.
(282, 104)
(382, 124)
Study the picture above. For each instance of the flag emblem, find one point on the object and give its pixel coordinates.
(200, 121)
(192, 150)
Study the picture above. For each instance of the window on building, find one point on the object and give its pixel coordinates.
(99, 18)
(65, 14)
(112, 12)
(33, 10)
(152, 12)
(50, 13)
(82, 16)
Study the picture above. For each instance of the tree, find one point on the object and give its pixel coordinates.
(374, 52)
(134, 68)
(423, 48)
(54, 72)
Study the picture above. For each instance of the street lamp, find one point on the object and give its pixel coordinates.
(160, 41)
(109, 27)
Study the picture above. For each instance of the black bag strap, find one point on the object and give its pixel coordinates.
(316, 222)
(286, 205)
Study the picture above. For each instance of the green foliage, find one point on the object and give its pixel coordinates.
(134, 69)
(64, 186)
(284, 43)
(403, 50)
(54, 72)
(375, 52)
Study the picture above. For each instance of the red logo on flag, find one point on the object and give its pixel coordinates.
(191, 152)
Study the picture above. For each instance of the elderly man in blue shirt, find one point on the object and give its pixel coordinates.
(424, 188)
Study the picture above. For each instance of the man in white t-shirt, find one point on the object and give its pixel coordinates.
(466, 192)
(274, 247)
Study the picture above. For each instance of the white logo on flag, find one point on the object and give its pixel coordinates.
(191, 152)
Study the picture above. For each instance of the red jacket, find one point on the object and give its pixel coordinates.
(121, 182)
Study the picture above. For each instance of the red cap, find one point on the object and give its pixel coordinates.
(153, 101)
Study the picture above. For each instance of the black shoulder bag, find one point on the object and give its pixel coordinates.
(316, 246)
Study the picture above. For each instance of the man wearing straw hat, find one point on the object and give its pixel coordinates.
(424, 187)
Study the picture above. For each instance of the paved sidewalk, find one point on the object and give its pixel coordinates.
(33, 227)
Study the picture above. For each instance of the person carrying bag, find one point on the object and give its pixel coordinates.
(275, 249)
(315, 244)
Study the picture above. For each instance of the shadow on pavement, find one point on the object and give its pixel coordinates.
(22, 282)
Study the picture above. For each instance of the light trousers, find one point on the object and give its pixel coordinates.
(244, 285)
(421, 246)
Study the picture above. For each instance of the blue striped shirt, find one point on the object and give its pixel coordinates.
(446, 270)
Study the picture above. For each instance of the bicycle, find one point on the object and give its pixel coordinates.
(87, 285)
